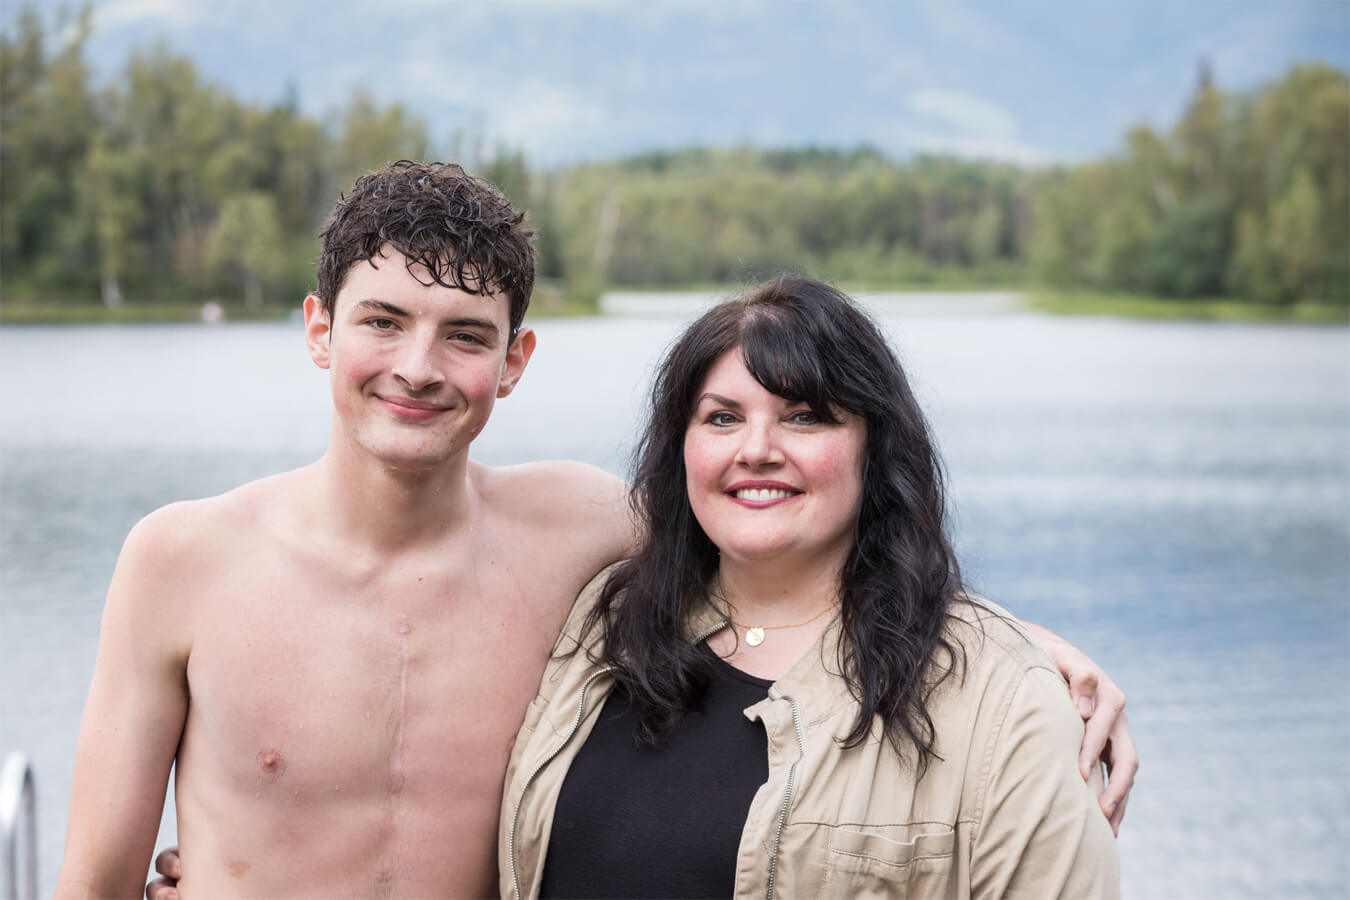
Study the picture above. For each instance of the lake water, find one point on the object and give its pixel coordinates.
(1174, 498)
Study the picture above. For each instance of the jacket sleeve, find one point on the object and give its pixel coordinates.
(1042, 834)
(536, 717)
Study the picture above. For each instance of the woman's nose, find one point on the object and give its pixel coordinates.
(759, 445)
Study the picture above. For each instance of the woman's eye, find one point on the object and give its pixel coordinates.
(721, 418)
(804, 417)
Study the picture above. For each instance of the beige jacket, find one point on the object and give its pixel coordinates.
(1002, 813)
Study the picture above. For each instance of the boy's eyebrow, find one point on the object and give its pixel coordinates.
(380, 306)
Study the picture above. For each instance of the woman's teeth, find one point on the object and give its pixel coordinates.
(761, 494)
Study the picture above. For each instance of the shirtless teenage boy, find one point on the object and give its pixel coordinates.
(340, 656)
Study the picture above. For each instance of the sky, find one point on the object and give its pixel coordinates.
(1027, 81)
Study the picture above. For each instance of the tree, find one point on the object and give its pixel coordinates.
(507, 170)
(1123, 242)
(1187, 255)
(986, 234)
(246, 240)
(1294, 237)
(109, 202)
(369, 136)
(47, 120)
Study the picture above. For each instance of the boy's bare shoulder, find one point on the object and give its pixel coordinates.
(575, 515)
(195, 530)
(173, 557)
(557, 490)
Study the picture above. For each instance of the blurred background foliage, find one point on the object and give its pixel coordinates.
(160, 190)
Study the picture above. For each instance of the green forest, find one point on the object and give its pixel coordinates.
(159, 190)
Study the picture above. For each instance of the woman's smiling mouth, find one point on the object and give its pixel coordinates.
(761, 493)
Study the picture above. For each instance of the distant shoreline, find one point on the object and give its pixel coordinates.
(901, 300)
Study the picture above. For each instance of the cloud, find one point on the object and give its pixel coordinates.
(969, 147)
(172, 13)
(433, 79)
(964, 113)
(955, 23)
(546, 120)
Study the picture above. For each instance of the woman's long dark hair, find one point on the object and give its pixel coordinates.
(808, 343)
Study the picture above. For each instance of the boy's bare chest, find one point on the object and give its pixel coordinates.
(353, 691)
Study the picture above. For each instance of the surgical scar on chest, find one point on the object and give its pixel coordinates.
(402, 629)
(397, 776)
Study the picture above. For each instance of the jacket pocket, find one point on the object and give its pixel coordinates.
(533, 713)
(889, 861)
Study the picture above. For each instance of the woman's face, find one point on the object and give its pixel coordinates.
(767, 479)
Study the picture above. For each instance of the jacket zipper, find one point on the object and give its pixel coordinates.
(515, 815)
(710, 630)
(787, 796)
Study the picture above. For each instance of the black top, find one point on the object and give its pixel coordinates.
(665, 821)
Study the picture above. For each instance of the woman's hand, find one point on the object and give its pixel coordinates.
(1106, 736)
(170, 869)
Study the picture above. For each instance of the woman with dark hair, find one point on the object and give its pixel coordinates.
(787, 690)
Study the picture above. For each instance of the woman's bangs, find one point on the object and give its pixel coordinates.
(787, 363)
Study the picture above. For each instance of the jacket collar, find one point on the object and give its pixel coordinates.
(706, 618)
(814, 680)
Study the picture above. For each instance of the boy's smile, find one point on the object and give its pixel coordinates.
(410, 409)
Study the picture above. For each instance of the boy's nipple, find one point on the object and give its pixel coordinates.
(271, 764)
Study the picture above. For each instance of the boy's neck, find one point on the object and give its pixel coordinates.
(388, 509)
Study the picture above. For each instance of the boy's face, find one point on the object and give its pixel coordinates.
(415, 368)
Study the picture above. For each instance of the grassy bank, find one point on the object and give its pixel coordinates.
(131, 313)
(1133, 306)
(548, 302)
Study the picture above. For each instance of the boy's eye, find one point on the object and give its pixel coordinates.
(380, 324)
(466, 337)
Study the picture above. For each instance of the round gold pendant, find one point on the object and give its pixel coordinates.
(754, 636)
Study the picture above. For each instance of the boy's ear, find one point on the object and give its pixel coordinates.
(318, 330)
(517, 357)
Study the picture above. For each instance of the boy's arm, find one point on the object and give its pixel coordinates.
(1106, 735)
(133, 719)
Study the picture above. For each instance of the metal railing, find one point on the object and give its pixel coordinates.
(18, 798)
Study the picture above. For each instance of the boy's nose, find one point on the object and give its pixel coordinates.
(416, 366)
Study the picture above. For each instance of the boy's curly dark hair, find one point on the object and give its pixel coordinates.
(462, 229)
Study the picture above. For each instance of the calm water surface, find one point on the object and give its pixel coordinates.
(1174, 498)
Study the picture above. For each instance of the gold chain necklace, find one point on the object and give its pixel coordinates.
(754, 635)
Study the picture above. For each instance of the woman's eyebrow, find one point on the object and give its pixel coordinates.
(719, 400)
